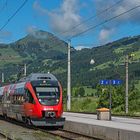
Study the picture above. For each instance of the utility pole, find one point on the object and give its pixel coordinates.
(69, 80)
(2, 77)
(25, 70)
(126, 87)
(110, 96)
(110, 99)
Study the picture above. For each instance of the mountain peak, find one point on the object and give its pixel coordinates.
(39, 34)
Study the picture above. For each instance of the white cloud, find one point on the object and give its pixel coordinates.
(105, 34)
(5, 35)
(80, 47)
(37, 7)
(124, 5)
(64, 18)
(121, 7)
(31, 29)
(37, 33)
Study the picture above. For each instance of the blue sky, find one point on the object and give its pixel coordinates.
(57, 16)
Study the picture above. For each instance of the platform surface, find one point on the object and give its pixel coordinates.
(116, 122)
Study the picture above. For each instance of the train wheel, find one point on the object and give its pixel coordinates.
(28, 121)
(5, 116)
(61, 127)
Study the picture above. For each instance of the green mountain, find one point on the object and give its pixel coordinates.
(36, 50)
(43, 52)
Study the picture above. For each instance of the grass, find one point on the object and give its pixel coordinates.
(59, 70)
(136, 55)
(107, 64)
(103, 66)
(42, 136)
(138, 85)
(122, 49)
(8, 51)
(121, 60)
(83, 104)
(8, 55)
(48, 62)
(89, 91)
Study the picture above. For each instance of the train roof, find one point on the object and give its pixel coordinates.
(38, 76)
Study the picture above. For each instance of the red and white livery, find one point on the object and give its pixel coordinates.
(36, 100)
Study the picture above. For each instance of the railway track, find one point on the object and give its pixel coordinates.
(67, 135)
(57, 132)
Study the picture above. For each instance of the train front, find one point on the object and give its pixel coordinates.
(47, 101)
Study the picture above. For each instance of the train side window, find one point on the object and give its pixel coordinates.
(29, 97)
(1, 99)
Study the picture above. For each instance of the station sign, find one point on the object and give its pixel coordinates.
(111, 82)
(116, 82)
(104, 82)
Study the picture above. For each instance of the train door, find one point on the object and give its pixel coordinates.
(1, 104)
(5, 103)
(29, 105)
(1, 96)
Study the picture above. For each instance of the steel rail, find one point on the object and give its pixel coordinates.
(65, 134)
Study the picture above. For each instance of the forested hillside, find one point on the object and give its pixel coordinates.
(43, 52)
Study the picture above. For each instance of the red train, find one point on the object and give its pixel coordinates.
(36, 100)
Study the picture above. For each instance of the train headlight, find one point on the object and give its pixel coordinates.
(50, 114)
(57, 100)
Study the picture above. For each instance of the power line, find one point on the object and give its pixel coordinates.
(64, 60)
(94, 16)
(10, 18)
(106, 21)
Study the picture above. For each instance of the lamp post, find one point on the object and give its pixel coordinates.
(2, 75)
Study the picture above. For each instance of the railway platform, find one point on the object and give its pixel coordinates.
(119, 128)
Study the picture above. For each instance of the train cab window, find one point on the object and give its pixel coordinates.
(29, 97)
(48, 95)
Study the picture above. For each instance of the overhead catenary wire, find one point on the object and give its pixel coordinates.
(13, 15)
(106, 21)
(65, 59)
(86, 20)
(92, 17)
(81, 22)
(102, 23)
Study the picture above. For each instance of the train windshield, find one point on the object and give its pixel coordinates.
(48, 95)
